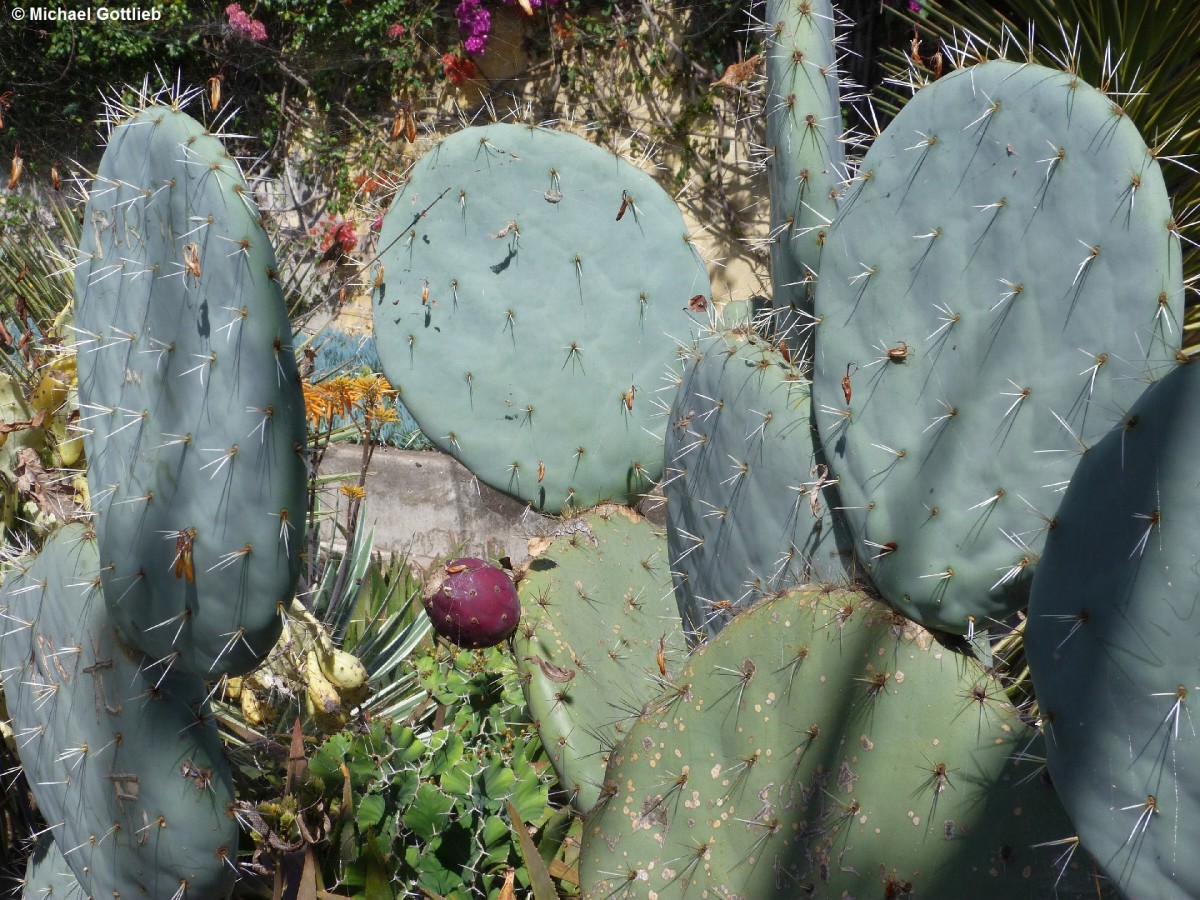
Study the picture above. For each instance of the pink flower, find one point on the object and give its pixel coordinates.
(243, 26)
(396, 31)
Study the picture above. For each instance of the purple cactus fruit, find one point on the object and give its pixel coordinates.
(472, 603)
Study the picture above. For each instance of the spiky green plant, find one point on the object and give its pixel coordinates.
(421, 803)
(751, 506)
(531, 290)
(121, 755)
(599, 635)
(1142, 53)
(193, 404)
(1111, 643)
(1024, 288)
(823, 746)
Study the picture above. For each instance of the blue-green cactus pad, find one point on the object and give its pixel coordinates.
(1001, 285)
(189, 386)
(124, 761)
(526, 327)
(597, 605)
(806, 168)
(48, 875)
(750, 502)
(1112, 642)
(823, 746)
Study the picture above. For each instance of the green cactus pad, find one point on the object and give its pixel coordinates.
(598, 622)
(824, 746)
(749, 505)
(527, 327)
(1111, 642)
(188, 383)
(997, 290)
(123, 759)
(806, 168)
(48, 876)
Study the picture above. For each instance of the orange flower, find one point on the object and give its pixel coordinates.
(318, 403)
(347, 395)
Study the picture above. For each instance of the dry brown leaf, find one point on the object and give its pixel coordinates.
(739, 73)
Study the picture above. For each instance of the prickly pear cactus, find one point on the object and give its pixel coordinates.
(48, 875)
(600, 635)
(823, 746)
(749, 500)
(1111, 643)
(188, 384)
(532, 283)
(806, 168)
(1000, 283)
(122, 757)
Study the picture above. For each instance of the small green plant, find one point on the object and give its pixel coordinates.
(420, 804)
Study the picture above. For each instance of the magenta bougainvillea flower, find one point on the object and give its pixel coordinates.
(475, 22)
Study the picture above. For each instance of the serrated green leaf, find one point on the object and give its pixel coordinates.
(434, 877)
(406, 747)
(498, 780)
(446, 755)
(457, 781)
(369, 811)
(494, 830)
(363, 771)
(429, 812)
(530, 793)
(326, 763)
(403, 787)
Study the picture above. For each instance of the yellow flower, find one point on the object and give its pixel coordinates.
(353, 491)
(382, 415)
(347, 394)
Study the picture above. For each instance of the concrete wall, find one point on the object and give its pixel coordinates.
(425, 504)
